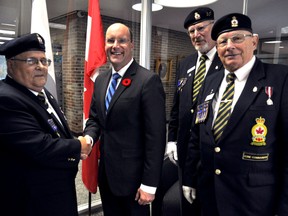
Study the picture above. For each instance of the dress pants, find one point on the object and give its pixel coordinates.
(113, 205)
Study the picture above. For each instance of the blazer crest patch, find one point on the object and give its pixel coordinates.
(259, 132)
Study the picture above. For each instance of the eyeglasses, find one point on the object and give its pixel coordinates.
(199, 29)
(235, 39)
(34, 61)
(121, 41)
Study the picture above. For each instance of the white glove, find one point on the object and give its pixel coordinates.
(189, 193)
(171, 151)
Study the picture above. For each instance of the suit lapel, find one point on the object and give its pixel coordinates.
(213, 84)
(63, 125)
(103, 85)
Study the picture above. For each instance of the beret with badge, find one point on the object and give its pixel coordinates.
(231, 22)
(198, 15)
(28, 42)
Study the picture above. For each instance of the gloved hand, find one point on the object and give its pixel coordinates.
(189, 193)
(171, 151)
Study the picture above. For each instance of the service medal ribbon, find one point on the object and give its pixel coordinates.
(269, 93)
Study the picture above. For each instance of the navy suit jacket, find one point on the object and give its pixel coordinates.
(133, 131)
(181, 115)
(253, 176)
(38, 156)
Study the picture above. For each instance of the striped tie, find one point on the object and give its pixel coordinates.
(224, 111)
(111, 89)
(42, 98)
(199, 77)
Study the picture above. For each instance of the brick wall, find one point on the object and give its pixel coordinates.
(166, 49)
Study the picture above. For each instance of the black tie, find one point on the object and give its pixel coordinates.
(42, 98)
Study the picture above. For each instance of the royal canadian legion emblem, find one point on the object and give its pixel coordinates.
(259, 132)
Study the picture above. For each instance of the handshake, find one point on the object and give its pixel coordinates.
(86, 146)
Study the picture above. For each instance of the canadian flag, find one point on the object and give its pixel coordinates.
(94, 57)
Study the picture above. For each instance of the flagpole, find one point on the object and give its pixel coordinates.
(89, 204)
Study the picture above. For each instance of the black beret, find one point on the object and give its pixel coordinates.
(231, 22)
(199, 15)
(28, 42)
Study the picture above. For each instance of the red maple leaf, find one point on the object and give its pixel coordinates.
(259, 130)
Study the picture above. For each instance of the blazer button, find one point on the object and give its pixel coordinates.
(217, 149)
(217, 171)
(192, 111)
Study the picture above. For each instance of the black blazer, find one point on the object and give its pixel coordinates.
(39, 162)
(183, 107)
(253, 178)
(133, 131)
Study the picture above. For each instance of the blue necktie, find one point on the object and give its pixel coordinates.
(111, 89)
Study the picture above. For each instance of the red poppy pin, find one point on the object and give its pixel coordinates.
(126, 82)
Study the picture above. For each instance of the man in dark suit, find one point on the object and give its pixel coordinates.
(240, 137)
(38, 155)
(198, 24)
(131, 128)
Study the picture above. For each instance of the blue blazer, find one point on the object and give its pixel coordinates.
(181, 115)
(38, 155)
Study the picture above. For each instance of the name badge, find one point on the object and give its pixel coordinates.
(255, 156)
(191, 69)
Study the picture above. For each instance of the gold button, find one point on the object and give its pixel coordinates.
(217, 171)
(217, 149)
(192, 110)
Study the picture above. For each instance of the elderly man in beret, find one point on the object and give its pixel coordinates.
(190, 76)
(38, 155)
(240, 134)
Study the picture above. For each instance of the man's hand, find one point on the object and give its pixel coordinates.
(189, 193)
(86, 146)
(144, 198)
(171, 151)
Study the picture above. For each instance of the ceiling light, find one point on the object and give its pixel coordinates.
(272, 42)
(155, 7)
(57, 26)
(284, 30)
(7, 32)
(184, 3)
(8, 24)
(6, 38)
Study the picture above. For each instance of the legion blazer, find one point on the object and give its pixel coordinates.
(133, 130)
(245, 173)
(38, 155)
(183, 106)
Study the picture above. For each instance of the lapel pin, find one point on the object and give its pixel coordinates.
(255, 89)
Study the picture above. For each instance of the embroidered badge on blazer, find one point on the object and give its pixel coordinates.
(181, 82)
(259, 132)
(202, 112)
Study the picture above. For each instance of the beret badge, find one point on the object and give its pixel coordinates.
(40, 39)
(197, 16)
(234, 22)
